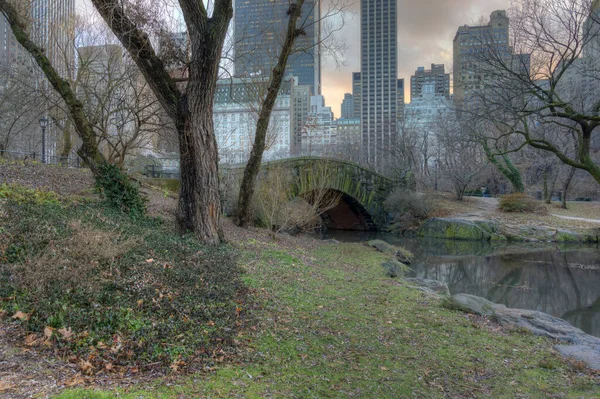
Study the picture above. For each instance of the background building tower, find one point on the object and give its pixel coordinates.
(348, 106)
(357, 93)
(259, 28)
(379, 79)
(470, 42)
(436, 75)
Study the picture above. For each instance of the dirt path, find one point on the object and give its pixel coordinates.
(483, 206)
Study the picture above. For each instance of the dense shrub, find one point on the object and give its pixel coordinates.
(115, 292)
(404, 203)
(519, 202)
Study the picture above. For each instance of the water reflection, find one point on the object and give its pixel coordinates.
(558, 280)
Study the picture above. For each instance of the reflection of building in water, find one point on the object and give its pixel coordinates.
(550, 281)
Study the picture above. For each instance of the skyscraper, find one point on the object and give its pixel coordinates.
(470, 43)
(436, 75)
(52, 28)
(379, 80)
(260, 27)
(357, 93)
(348, 106)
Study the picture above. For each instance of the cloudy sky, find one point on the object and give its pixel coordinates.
(425, 32)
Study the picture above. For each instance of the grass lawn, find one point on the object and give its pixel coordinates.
(332, 325)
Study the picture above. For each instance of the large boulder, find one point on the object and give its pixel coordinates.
(460, 229)
(429, 286)
(394, 268)
(471, 304)
(401, 254)
(584, 347)
(538, 323)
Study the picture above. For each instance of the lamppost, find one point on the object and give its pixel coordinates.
(43, 124)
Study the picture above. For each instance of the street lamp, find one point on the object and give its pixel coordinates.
(44, 124)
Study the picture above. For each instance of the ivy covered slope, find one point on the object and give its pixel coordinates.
(112, 291)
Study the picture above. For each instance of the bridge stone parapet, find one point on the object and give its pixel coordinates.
(363, 191)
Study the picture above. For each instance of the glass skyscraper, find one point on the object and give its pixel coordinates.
(260, 27)
(379, 80)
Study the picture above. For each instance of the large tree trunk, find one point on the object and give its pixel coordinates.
(252, 168)
(199, 206)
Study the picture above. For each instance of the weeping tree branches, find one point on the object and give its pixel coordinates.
(548, 75)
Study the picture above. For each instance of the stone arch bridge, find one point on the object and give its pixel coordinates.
(363, 191)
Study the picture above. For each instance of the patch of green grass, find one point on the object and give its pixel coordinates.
(332, 325)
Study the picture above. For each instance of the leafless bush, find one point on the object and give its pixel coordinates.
(277, 207)
(404, 203)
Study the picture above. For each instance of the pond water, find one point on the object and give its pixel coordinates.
(560, 280)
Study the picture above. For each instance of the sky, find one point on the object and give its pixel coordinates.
(425, 32)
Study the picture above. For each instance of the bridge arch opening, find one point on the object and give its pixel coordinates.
(348, 214)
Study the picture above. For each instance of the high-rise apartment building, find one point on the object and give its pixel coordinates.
(259, 30)
(348, 106)
(379, 80)
(357, 93)
(470, 45)
(436, 75)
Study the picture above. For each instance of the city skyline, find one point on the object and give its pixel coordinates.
(425, 32)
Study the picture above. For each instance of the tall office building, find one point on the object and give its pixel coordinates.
(379, 80)
(52, 28)
(357, 93)
(400, 100)
(348, 106)
(436, 75)
(259, 30)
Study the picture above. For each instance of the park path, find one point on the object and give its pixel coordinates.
(482, 207)
(578, 219)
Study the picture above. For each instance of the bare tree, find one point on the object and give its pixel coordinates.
(458, 156)
(547, 77)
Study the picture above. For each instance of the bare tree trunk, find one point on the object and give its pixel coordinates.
(262, 126)
(566, 185)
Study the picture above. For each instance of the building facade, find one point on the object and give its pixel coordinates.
(235, 115)
(469, 46)
(379, 80)
(259, 29)
(357, 94)
(348, 106)
(436, 75)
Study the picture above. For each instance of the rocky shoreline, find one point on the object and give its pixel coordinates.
(490, 230)
(573, 342)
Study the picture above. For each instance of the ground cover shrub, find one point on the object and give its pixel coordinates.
(519, 202)
(114, 293)
(22, 195)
